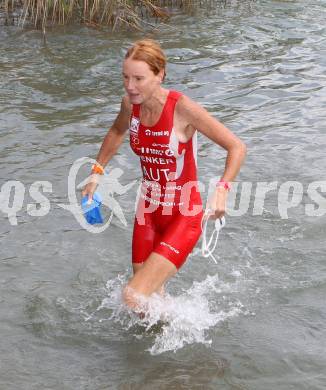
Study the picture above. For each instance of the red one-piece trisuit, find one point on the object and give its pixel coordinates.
(169, 211)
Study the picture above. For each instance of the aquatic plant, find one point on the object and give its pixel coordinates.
(134, 14)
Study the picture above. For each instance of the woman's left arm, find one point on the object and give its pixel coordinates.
(198, 118)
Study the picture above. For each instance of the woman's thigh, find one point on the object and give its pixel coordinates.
(144, 238)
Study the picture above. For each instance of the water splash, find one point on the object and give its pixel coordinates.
(175, 321)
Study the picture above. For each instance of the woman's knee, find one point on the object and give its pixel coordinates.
(136, 267)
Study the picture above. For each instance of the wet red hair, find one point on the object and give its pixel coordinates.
(149, 51)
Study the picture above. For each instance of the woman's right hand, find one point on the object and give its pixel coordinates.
(90, 188)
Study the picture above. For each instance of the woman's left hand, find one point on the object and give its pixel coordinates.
(217, 202)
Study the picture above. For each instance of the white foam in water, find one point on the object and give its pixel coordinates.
(184, 319)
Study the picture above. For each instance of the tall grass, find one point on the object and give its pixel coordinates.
(95, 13)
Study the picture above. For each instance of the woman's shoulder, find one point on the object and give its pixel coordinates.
(189, 110)
(173, 94)
(184, 103)
(125, 107)
(125, 104)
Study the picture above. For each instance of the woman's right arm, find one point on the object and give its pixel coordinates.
(116, 134)
(111, 143)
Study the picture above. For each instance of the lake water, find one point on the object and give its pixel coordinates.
(256, 319)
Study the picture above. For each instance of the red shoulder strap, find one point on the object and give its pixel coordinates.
(136, 110)
(175, 95)
(172, 101)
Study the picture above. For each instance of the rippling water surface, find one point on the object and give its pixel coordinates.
(256, 320)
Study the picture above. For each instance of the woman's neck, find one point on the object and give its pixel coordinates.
(153, 105)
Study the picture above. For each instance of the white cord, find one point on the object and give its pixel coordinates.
(207, 249)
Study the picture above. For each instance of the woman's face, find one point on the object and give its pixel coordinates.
(139, 80)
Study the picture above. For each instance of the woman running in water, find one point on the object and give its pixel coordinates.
(163, 127)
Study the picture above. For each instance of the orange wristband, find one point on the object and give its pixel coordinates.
(97, 169)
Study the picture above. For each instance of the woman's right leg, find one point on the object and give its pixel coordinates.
(148, 279)
(137, 266)
(143, 241)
